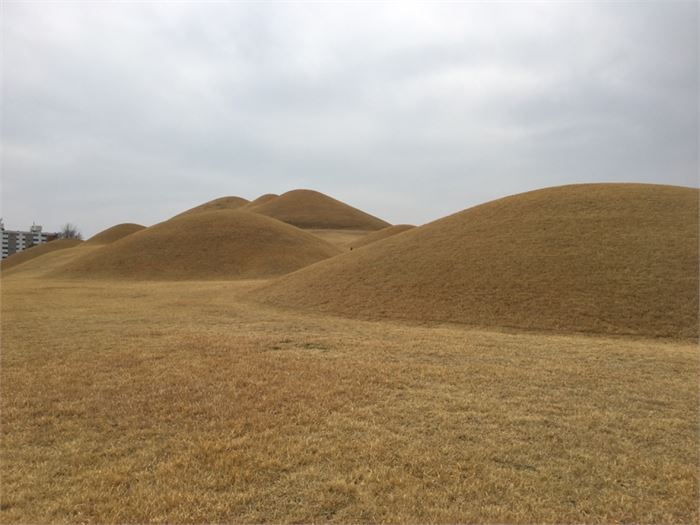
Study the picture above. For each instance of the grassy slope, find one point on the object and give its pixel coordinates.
(379, 235)
(115, 233)
(311, 209)
(261, 200)
(595, 258)
(37, 251)
(224, 244)
(40, 267)
(177, 402)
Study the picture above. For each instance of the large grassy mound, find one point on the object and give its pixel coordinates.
(222, 203)
(313, 210)
(224, 244)
(115, 233)
(37, 251)
(606, 258)
(379, 235)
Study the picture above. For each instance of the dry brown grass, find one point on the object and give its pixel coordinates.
(222, 203)
(39, 267)
(224, 244)
(384, 233)
(313, 210)
(341, 238)
(602, 258)
(261, 200)
(37, 251)
(181, 403)
(115, 233)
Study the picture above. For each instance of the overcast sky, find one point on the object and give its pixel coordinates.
(133, 112)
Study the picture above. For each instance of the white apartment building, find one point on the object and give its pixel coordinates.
(16, 241)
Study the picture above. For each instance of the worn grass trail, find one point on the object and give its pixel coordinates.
(179, 402)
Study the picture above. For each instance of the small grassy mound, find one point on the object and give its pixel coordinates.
(37, 251)
(224, 244)
(40, 267)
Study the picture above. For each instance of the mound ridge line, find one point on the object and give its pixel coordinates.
(598, 258)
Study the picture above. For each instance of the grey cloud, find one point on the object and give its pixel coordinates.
(133, 112)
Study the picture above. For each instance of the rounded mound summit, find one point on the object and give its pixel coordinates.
(313, 210)
(601, 258)
(224, 244)
(222, 203)
(115, 233)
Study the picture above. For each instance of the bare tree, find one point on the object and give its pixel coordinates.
(70, 231)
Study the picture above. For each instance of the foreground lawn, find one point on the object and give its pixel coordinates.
(182, 402)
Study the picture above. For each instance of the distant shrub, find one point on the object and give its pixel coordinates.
(70, 231)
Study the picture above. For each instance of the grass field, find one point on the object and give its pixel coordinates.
(181, 402)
